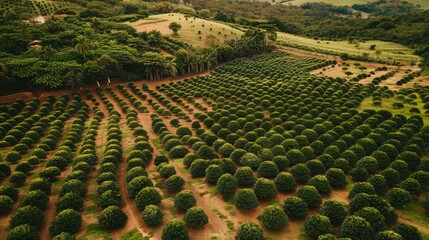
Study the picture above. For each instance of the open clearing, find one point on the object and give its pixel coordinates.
(195, 31)
(389, 51)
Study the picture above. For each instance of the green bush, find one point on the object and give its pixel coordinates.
(227, 184)
(398, 197)
(68, 221)
(295, 156)
(273, 218)
(359, 174)
(379, 183)
(363, 187)
(300, 172)
(147, 196)
(152, 215)
(41, 184)
(265, 189)
(24, 167)
(412, 186)
(334, 210)
(6, 204)
(64, 236)
(175, 229)
(50, 173)
(250, 160)
(137, 184)
(245, 199)
(35, 198)
(110, 198)
(249, 231)
(13, 157)
(10, 192)
(245, 177)
(174, 183)
(198, 168)
(182, 131)
(213, 173)
(317, 225)
(310, 195)
(268, 169)
(178, 152)
(355, 227)
(75, 186)
(285, 182)
(295, 207)
(184, 200)
(18, 178)
(30, 215)
(135, 172)
(373, 217)
(160, 159)
(69, 201)
(336, 177)
(112, 218)
(316, 167)
(321, 183)
(195, 217)
(167, 171)
(407, 232)
(388, 235)
(21, 232)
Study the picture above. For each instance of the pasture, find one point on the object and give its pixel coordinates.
(195, 31)
(206, 156)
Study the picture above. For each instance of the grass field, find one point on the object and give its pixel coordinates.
(195, 31)
(423, 3)
(389, 51)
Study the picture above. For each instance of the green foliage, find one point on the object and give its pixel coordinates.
(317, 225)
(249, 231)
(310, 195)
(69, 201)
(30, 215)
(295, 207)
(374, 218)
(174, 183)
(273, 218)
(245, 199)
(398, 197)
(195, 217)
(6, 204)
(334, 210)
(285, 182)
(175, 229)
(355, 227)
(321, 183)
(68, 221)
(184, 200)
(112, 218)
(268, 169)
(227, 184)
(24, 231)
(152, 215)
(407, 231)
(147, 196)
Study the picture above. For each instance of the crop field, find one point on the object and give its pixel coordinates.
(389, 51)
(195, 31)
(257, 146)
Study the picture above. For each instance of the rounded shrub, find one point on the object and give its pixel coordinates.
(167, 171)
(407, 231)
(152, 215)
(310, 195)
(245, 199)
(174, 183)
(35, 198)
(265, 189)
(387, 235)
(75, 186)
(363, 187)
(318, 225)
(249, 231)
(273, 218)
(398, 197)
(336, 178)
(321, 183)
(110, 198)
(379, 183)
(355, 227)
(68, 221)
(268, 169)
(175, 229)
(300, 172)
(184, 200)
(6, 204)
(198, 168)
(227, 184)
(13, 157)
(147, 196)
(41, 184)
(30, 215)
(213, 173)
(195, 217)
(295, 207)
(112, 218)
(137, 184)
(373, 217)
(334, 210)
(21, 232)
(245, 177)
(285, 182)
(69, 201)
(17, 178)
(250, 160)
